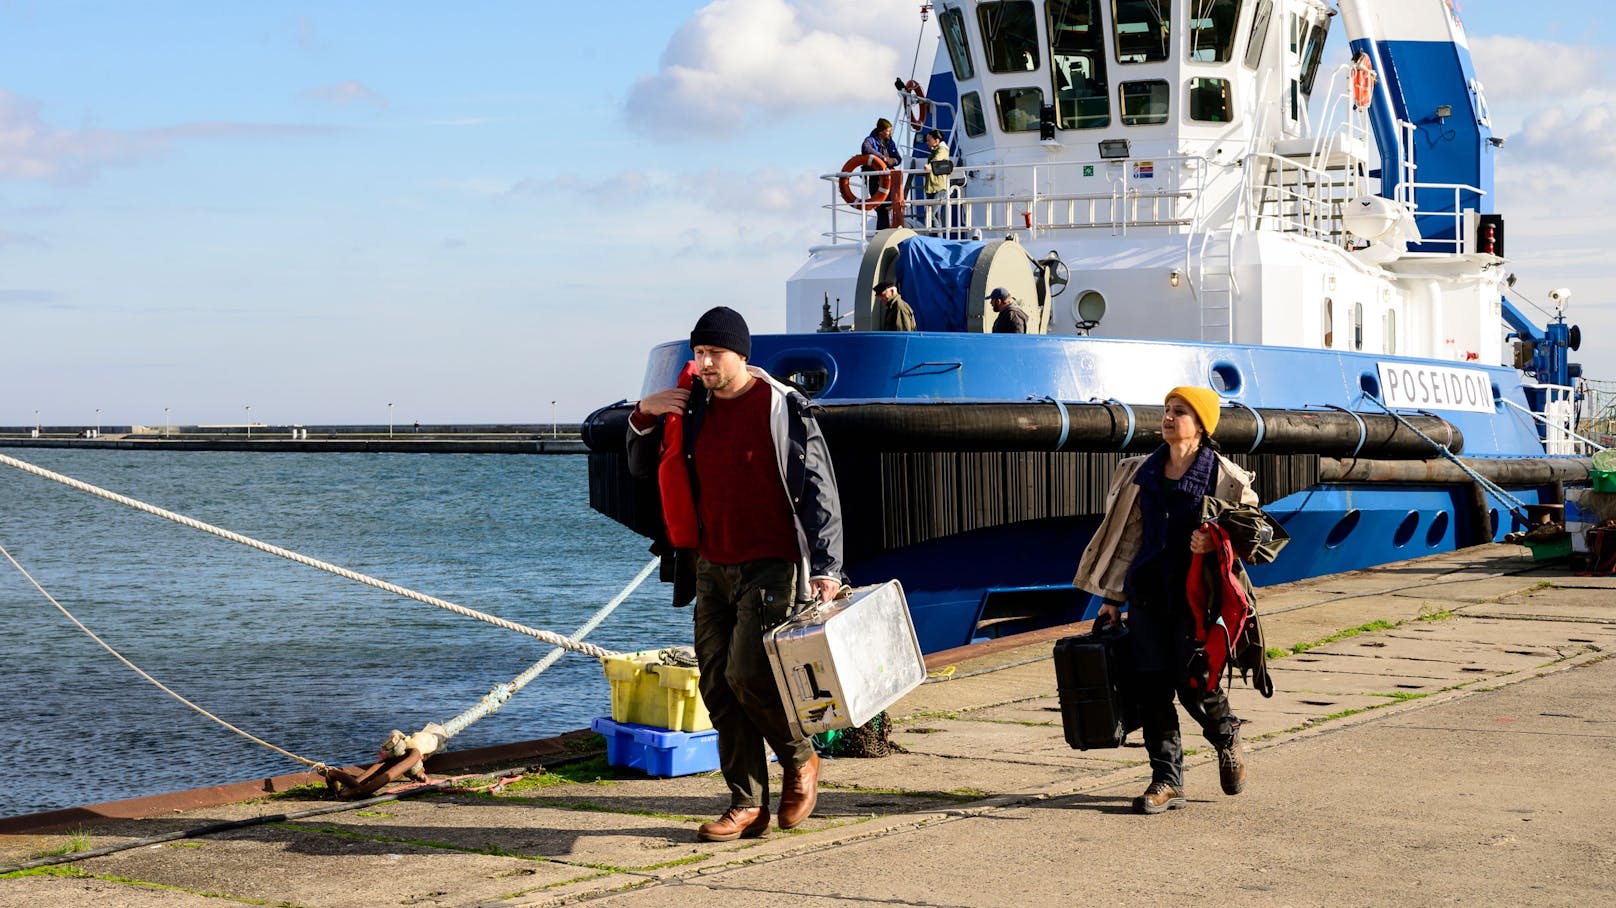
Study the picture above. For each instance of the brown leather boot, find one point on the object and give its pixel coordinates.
(1158, 797)
(798, 793)
(1232, 765)
(736, 823)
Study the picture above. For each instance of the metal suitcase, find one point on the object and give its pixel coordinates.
(1092, 672)
(839, 664)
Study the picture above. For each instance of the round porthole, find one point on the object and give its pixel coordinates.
(1343, 528)
(1405, 530)
(1088, 309)
(1225, 378)
(1438, 530)
(1369, 384)
(1492, 522)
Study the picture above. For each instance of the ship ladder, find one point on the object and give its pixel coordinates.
(1214, 287)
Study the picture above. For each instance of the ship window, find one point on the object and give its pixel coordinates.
(1143, 30)
(1010, 37)
(1209, 100)
(1391, 331)
(1357, 326)
(1329, 323)
(1212, 30)
(971, 112)
(1314, 53)
(1077, 58)
(1018, 108)
(952, 23)
(1259, 32)
(1144, 103)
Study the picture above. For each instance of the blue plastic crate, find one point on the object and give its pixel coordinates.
(658, 751)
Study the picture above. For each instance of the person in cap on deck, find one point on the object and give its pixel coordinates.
(746, 482)
(1011, 320)
(1141, 554)
(896, 315)
(879, 143)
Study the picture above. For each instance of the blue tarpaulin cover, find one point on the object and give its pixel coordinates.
(934, 277)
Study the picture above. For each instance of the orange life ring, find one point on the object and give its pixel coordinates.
(1363, 82)
(865, 162)
(917, 107)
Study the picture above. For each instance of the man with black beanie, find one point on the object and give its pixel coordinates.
(746, 482)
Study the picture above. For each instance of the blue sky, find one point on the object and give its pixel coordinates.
(315, 210)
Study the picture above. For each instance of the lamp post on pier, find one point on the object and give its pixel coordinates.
(554, 432)
(165, 422)
(38, 426)
(97, 423)
(389, 419)
(247, 408)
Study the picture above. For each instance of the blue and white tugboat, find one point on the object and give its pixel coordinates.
(1179, 192)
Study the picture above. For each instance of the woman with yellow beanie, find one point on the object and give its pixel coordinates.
(1141, 555)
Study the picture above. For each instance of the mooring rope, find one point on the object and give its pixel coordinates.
(550, 637)
(312, 764)
(1513, 504)
(496, 697)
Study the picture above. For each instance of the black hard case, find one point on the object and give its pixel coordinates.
(1092, 675)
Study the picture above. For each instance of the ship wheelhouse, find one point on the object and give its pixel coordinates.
(1193, 167)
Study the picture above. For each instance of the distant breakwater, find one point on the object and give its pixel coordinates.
(345, 439)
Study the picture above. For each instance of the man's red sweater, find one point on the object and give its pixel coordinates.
(745, 514)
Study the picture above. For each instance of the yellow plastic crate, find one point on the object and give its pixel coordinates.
(645, 692)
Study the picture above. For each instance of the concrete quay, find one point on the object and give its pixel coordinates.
(1442, 733)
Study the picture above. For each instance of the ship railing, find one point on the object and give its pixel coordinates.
(1459, 212)
(1128, 203)
(1466, 199)
(1558, 419)
(1342, 138)
(1287, 196)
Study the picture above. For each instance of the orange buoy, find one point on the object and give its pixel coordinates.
(1363, 82)
(865, 162)
(917, 107)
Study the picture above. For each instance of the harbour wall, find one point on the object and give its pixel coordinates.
(514, 438)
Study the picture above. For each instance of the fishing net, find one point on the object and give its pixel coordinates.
(872, 739)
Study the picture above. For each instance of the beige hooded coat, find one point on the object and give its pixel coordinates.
(1104, 566)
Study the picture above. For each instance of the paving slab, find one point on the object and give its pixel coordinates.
(332, 870)
(57, 892)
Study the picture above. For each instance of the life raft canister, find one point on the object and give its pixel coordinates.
(865, 162)
(917, 107)
(1363, 82)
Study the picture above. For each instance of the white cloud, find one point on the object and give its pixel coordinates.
(30, 298)
(31, 149)
(1527, 69)
(1584, 138)
(10, 238)
(344, 94)
(740, 62)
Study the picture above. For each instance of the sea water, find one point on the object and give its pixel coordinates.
(316, 664)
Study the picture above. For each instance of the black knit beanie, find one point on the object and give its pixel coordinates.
(722, 326)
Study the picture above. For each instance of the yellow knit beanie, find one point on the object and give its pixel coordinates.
(1204, 401)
